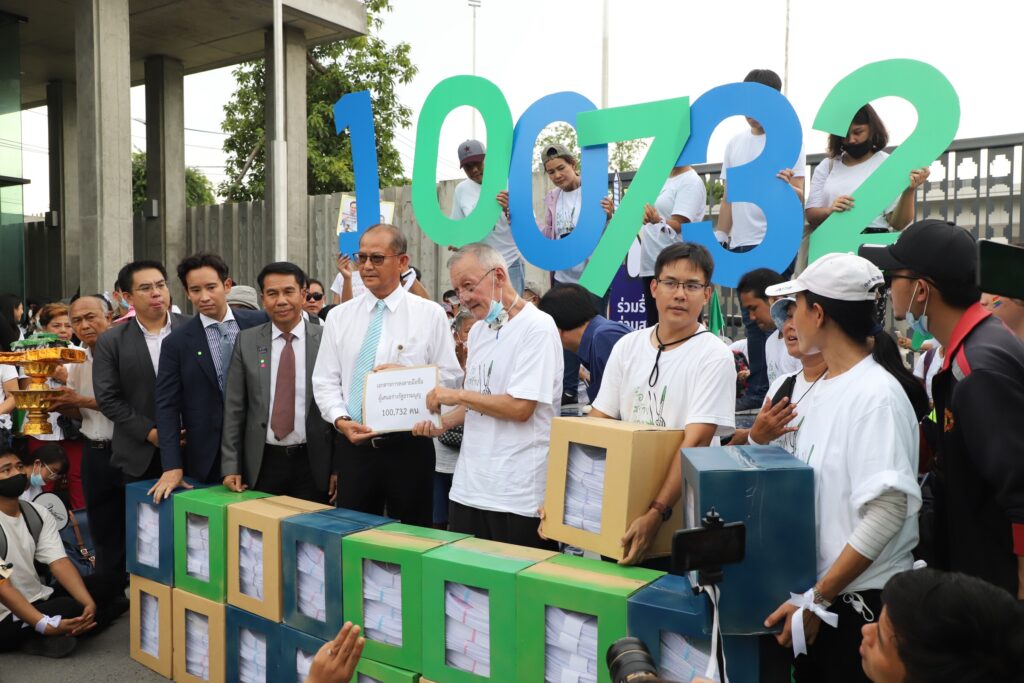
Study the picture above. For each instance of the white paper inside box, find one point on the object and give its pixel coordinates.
(363, 678)
(310, 580)
(147, 533)
(197, 552)
(467, 628)
(682, 659)
(570, 646)
(303, 663)
(149, 624)
(584, 487)
(250, 562)
(197, 645)
(382, 602)
(252, 657)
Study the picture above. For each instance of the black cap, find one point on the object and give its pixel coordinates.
(939, 251)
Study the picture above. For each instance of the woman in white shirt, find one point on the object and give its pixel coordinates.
(859, 432)
(850, 161)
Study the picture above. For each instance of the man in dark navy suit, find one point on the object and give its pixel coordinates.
(190, 385)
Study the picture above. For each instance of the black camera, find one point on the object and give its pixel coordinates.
(629, 661)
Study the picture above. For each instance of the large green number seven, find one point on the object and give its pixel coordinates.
(486, 98)
(938, 116)
(668, 122)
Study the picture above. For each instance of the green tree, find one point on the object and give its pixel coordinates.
(198, 188)
(622, 156)
(363, 63)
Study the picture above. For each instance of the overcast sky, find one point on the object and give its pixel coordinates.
(658, 49)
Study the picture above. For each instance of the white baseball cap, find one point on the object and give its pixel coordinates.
(845, 277)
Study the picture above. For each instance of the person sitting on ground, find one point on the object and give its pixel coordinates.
(50, 463)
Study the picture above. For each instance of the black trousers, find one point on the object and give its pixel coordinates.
(285, 471)
(106, 590)
(103, 486)
(505, 527)
(835, 655)
(396, 477)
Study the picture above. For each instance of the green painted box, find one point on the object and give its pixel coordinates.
(392, 556)
(588, 587)
(201, 518)
(369, 671)
(479, 564)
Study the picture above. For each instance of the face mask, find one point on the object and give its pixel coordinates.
(12, 487)
(919, 325)
(497, 316)
(37, 480)
(857, 150)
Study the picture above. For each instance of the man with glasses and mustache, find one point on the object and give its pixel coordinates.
(384, 327)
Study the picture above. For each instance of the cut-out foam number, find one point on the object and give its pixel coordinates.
(668, 122)
(555, 254)
(355, 112)
(938, 116)
(487, 99)
(753, 182)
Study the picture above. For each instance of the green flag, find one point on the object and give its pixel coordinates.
(716, 321)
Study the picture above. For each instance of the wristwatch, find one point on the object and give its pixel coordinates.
(663, 510)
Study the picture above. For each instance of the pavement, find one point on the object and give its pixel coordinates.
(98, 659)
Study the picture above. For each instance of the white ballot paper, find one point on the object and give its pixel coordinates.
(250, 562)
(147, 528)
(683, 659)
(310, 579)
(197, 645)
(149, 624)
(570, 646)
(252, 657)
(584, 487)
(197, 551)
(363, 678)
(395, 400)
(467, 628)
(382, 602)
(303, 663)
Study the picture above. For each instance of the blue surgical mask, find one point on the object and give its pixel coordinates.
(37, 480)
(919, 325)
(496, 315)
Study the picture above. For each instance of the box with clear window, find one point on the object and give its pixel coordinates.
(150, 620)
(199, 630)
(149, 531)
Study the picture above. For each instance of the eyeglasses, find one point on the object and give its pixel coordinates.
(375, 259)
(314, 296)
(148, 287)
(690, 287)
(468, 290)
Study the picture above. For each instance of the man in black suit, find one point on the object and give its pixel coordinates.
(193, 373)
(275, 439)
(125, 361)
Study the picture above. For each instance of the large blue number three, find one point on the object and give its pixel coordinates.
(753, 182)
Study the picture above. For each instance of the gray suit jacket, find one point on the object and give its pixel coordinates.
(124, 383)
(247, 408)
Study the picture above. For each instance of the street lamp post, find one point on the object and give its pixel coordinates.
(475, 4)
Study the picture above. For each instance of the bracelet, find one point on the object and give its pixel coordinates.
(819, 599)
(47, 621)
(750, 439)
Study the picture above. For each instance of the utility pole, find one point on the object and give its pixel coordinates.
(475, 4)
(785, 63)
(279, 148)
(604, 59)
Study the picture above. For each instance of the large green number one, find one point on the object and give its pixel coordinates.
(486, 98)
(938, 116)
(668, 122)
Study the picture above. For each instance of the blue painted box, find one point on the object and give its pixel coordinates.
(773, 494)
(296, 653)
(251, 645)
(311, 546)
(150, 551)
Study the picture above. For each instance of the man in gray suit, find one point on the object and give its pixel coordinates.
(274, 439)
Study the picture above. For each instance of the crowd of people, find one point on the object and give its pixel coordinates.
(263, 388)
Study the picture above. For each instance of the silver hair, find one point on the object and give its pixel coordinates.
(486, 255)
(464, 315)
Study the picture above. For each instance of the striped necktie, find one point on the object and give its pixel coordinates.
(365, 362)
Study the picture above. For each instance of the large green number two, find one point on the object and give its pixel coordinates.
(668, 122)
(938, 116)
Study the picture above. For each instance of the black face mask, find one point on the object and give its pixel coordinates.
(12, 487)
(857, 150)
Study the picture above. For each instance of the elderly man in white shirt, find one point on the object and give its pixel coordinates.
(384, 327)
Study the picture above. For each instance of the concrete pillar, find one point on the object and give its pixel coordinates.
(165, 166)
(104, 140)
(62, 117)
(295, 134)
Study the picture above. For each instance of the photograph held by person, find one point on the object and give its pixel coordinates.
(978, 521)
(274, 438)
(386, 327)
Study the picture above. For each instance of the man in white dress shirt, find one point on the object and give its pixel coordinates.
(384, 327)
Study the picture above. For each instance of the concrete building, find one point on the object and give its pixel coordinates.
(80, 58)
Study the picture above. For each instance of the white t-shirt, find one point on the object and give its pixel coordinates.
(503, 464)
(748, 222)
(777, 358)
(22, 550)
(933, 369)
(7, 373)
(801, 388)
(829, 184)
(467, 194)
(683, 195)
(859, 433)
(567, 214)
(740, 345)
(696, 383)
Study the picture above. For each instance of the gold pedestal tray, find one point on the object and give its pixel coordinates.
(39, 365)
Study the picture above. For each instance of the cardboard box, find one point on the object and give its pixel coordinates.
(260, 521)
(637, 461)
(247, 637)
(296, 647)
(204, 646)
(479, 564)
(320, 533)
(401, 546)
(773, 494)
(148, 557)
(151, 643)
(589, 587)
(206, 510)
(370, 671)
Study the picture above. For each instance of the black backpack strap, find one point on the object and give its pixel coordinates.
(32, 519)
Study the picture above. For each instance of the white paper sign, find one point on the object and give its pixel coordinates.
(395, 400)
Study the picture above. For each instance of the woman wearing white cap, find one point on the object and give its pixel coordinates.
(859, 432)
